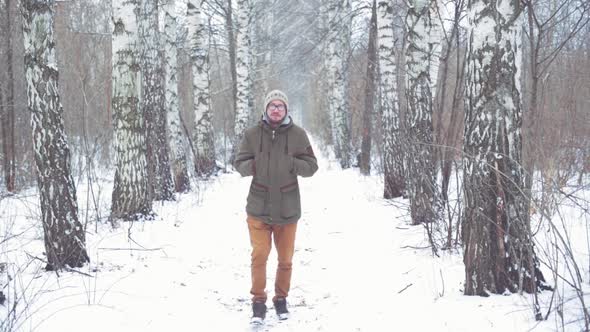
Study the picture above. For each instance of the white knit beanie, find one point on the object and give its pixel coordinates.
(276, 95)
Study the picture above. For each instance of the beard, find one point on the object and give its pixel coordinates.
(275, 123)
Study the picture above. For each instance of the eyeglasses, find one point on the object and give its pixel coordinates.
(273, 107)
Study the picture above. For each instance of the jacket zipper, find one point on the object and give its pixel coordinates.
(268, 165)
(268, 171)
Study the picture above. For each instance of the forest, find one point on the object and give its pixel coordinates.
(463, 122)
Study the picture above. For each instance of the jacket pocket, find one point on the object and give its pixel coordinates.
(257, 199)
(290, 200)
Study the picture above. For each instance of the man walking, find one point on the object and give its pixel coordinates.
(274, 153)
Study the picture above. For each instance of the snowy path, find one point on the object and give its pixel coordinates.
(353, 270)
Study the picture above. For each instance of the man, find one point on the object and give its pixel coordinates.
(274, 153)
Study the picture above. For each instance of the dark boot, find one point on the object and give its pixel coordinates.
(281, 308)
(258, 312)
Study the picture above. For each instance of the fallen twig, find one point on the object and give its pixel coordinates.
(68, 269)
(132, 249)
(408, 286)
(413, 247)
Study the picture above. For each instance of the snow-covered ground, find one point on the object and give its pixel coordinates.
(358, 266)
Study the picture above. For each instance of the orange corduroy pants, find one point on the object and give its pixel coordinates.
(260, 239)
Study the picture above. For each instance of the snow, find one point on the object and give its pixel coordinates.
(358, 266)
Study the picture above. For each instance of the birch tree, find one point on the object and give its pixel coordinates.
(130, 199)
(422, 187)
(339, 13)
(152, 102)
(231, 41)
(392, 147)
(177, 152)
(204, 139)
(65, 242)
(243, 69)
(498, 248)
(435, 36)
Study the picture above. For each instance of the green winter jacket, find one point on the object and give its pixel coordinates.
(274, 158)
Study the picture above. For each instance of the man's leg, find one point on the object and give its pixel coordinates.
(284, 238)
(260, 239)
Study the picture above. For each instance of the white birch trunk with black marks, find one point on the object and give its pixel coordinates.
(177, 152)
(130, 199)
(339, 13)
(64, 236)
(422, 185)
(243, 70)
(393, 167)
(203, 141)
(231, 49)
(498, 248)
(436, 35)
(152, 102)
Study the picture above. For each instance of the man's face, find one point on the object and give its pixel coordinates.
(276, 111)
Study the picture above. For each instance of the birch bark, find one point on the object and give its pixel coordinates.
(393, 168)
(64, 236)
(177, 152)
(130, 199)
(152, 102)
(339, 13)
(498, 247)
(204, 139)
(243, 70)
(422, 184)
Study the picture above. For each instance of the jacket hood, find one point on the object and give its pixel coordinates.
(287, 122)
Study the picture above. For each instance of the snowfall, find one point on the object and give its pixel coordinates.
(358, 266)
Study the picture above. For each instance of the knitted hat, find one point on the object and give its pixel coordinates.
(276, 95)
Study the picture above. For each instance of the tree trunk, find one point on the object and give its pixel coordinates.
(152, 102)
(130, 199)
(243, 69)
(338, 49)
(323, 83)
(365, 159)
(204, 139)
(498, 248)
(65, 242)
(422, 187)
(392, 146)
(7, 109)
(231, 37)
(435, 36)
(177, 152)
